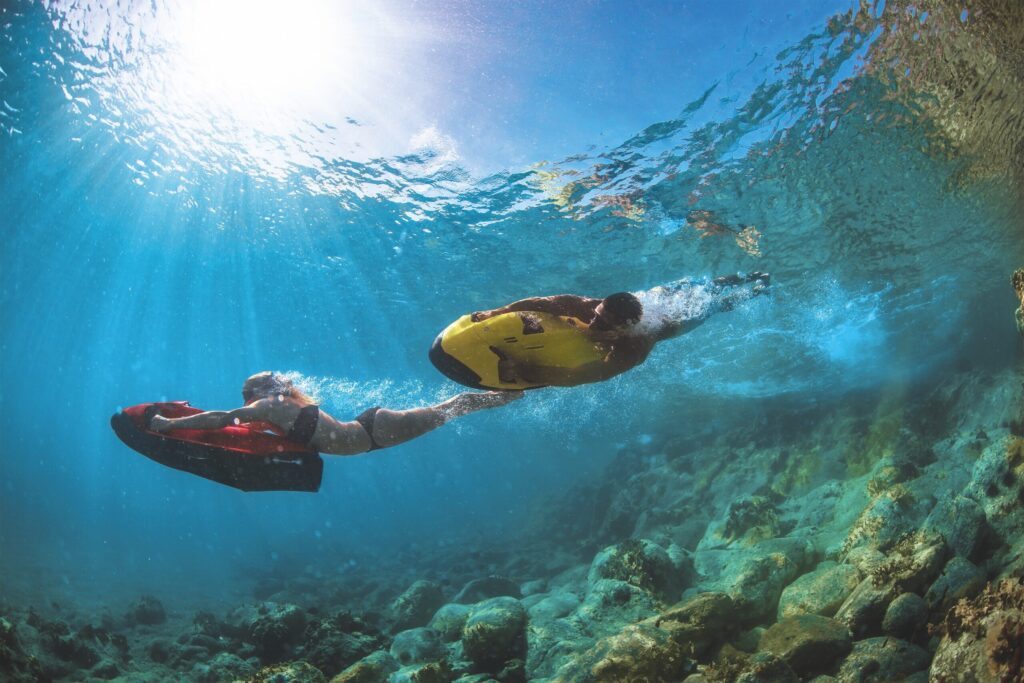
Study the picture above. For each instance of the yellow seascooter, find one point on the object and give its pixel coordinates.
(469, 352)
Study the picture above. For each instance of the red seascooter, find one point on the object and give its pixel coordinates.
(243, 456)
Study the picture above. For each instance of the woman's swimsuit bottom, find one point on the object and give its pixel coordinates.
(366, 419)
(304, 428)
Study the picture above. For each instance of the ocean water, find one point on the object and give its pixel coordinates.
(194, 192)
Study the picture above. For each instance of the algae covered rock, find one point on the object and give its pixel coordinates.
(417, 645)
(15, 663)
(290, 672)
(553, 606)
(959, 579)
(495, 633)
(148, 611)
(701, 622)
(639, 652)
(610, 603)
(449, 620)
(333, 643)
(416, 605)
(983, 638)
(808, 643)
(862, 612)
(906, 617)
(883, 659)
(765, 667)
(640, 563)
(370, 669)
(821, 591)
(276, 629)
(223, 667)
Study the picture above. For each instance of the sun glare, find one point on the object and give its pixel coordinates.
(252, 54)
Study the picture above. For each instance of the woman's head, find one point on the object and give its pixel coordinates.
(268, 384)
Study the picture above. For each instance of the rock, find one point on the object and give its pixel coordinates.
(416, 646)
(912, 564)
(106, 670)
(700, 623)
(640, 563)
(159, 650)
(449, 620)
(765, 667)
(15, 663)
(291, 672)
(997, 483)
(224, 667)
(554, 606)
(983, 638)
(960, 521)
(863, 610)
(906, 617)
(609, 604)
(278, 627)
(959, 579)
(810, 644)
(750, 520)
(490, 587)
(434, 672)
(639, 652)
(373, 668)
(148, 611)
(553, 644)
(533, 587)
(821, 591)
(334, 643)
(495, 633)
(416, 605)
(758, 582)
(881, 660)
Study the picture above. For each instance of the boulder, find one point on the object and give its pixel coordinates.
(147, 610)
(609, 604)
(334, 643)
(906, 617)
(495, 633)
(640, 563)
(373, 668)
(810, 644)
(961, 521)
(554, 606)
(883, 659)
(639, 652)
(416, 605)
(821, 591)
(983, 638)
(765, 667)
(449, 620)
(416, 646)
(863, 610)
(276, 630)
(290, 672)
(959, 579)
(223, 667)
(700, 623)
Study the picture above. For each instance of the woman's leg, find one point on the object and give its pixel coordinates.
(392, 427)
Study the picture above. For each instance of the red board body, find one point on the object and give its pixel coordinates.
(246, 457)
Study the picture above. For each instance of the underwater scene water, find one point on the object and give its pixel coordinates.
(825, 482)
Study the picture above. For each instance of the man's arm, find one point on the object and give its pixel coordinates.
(561, 304)
(213, 419)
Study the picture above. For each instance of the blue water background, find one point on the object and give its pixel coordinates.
(138, 266)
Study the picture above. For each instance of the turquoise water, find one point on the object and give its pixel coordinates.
(173, 224)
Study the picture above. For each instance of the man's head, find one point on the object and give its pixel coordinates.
(618, 310)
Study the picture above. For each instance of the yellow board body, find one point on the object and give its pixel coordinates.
(469, 352)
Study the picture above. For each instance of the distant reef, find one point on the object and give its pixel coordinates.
(875, 539)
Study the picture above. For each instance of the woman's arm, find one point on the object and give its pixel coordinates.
(561, 304)
(212, 419)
